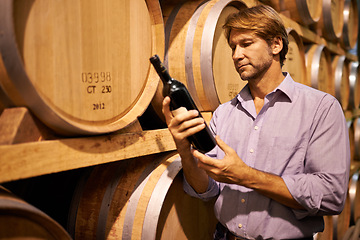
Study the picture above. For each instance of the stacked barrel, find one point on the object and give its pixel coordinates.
(82, 68)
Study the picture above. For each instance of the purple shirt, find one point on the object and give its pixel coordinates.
(300, 134)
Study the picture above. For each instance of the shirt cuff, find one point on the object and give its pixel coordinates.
(310, 203)
(211, 192)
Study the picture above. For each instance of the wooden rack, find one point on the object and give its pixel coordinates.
(36, 154)
(30, 149)
(36, 157)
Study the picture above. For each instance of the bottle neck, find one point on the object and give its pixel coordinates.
(161, 70)
(165, 77)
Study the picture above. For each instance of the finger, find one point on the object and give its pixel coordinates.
(196, 153)
(166, 110)
(186, 124)
(198, 123)
(182, 116)
(204, 161)
(223, 146)
(181, 133)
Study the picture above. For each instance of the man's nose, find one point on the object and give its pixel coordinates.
(237, 53)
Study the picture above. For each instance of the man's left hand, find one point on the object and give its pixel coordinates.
(230, 169)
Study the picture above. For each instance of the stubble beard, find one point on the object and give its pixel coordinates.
(255, 72)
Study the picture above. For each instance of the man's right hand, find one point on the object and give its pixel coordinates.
(182, 124)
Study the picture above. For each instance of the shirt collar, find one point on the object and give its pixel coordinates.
(287, 86)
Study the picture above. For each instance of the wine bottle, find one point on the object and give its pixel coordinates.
(203, 141)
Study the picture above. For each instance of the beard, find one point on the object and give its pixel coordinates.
(251, 72)
(255, 68)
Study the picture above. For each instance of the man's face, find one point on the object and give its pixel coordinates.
(252, 55)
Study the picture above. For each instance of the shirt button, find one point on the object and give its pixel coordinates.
(240, 225)
(243, 200)
(256, 127)
(251, 150)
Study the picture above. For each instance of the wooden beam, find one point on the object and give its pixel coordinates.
(19, 161)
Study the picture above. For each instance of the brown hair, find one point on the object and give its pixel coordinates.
(264, 21)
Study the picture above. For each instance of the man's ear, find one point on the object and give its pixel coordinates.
(277, 45)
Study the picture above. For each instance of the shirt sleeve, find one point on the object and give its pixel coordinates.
(212, 191)
(322, 188)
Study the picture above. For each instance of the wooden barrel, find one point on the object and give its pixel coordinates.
(341, 222)
(181, 20)
(328, 232)
(341, 73)
(303, 12)
(354, 195)
(356, 126)
(332, 21)
(350, 126)
(82, 67)
(139, 199)
(295, 58)
(20, 220)
(318, 68)
(5, 101)
(198, 53)
(353, 232)
(351, 24)
(354, 81)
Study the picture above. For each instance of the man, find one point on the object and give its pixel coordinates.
(282, 155)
